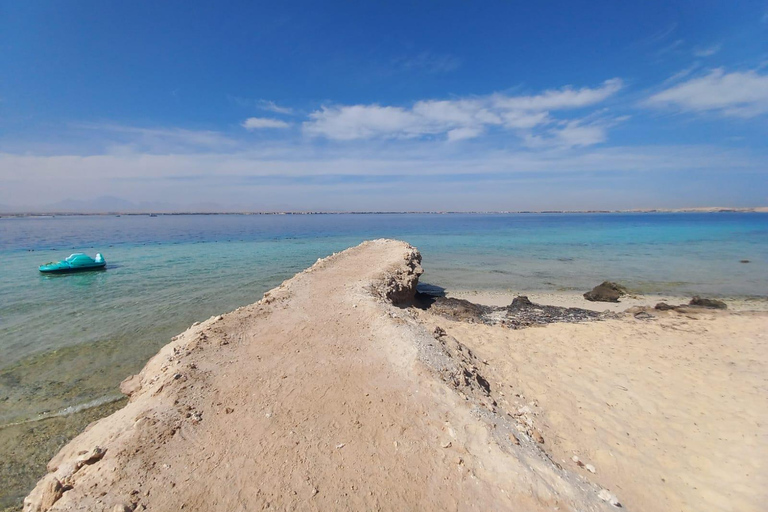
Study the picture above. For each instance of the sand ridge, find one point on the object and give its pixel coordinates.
(322, 396)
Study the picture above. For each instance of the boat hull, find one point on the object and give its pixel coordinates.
(71, 270)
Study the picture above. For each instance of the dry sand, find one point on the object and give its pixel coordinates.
(326, 396)
(670, 409)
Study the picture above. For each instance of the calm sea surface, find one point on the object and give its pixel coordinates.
(67, 341)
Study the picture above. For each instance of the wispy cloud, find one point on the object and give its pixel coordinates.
(429, 62)
(682, 73)
(737, 94)
(241, 176)
(259, 123)
(261, 104)
(458, 119)
(165, 139)
(271, 106)
(707, 51)
(658, 36)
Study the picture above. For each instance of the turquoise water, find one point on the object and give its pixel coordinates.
(67, 341)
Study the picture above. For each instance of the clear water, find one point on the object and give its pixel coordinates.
(67, 341)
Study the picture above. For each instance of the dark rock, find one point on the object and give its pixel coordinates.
(708, 303)
(743, 261)
(520, 302)
(606, 292)
(519, 314)
(457, 309)
(663, 306)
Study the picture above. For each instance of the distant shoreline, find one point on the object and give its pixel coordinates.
(757, 209)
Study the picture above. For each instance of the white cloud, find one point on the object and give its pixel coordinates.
(739, 94)
(559, 99)
(257, 123)
(458, 119)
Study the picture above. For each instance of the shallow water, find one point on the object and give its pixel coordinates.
(67, 341)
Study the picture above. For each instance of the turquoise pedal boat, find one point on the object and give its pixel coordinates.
(77, 262)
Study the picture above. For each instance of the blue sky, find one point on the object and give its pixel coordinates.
(383, 105)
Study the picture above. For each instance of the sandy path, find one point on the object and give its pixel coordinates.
(322, 396)
(672, 411)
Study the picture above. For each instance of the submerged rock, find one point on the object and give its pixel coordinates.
(606, 291)
(708, 303)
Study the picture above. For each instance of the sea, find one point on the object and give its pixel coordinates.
(66, 341)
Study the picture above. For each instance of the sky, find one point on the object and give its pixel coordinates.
(383, 106)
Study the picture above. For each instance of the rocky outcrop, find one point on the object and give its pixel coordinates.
(519, 314)
(708, 303)
(399, 286)
(607, 291)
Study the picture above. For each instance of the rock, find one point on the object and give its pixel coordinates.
(122, 507)
(708, 303)
(44, 495)
(90, 457)
(446, 444)
(521, 302)
(607, 291)
(537, 436)
(514, 439)
(590, 468)
(663, 306)
(605, 495)
(743, 261)
(130, 385)
(439, 332)
(458, 309)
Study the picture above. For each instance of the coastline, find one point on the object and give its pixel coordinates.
(64, 213)
(461, 411)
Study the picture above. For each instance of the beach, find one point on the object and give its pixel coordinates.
(339, 390)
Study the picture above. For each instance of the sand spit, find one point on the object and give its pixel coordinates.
(325, 395)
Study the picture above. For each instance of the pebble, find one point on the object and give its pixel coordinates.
(605, 495)
(590, 468)
(446, 444)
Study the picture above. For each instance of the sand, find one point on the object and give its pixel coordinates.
(330, 394)
(669, 409)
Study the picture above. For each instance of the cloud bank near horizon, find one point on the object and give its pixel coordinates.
(479, 143)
